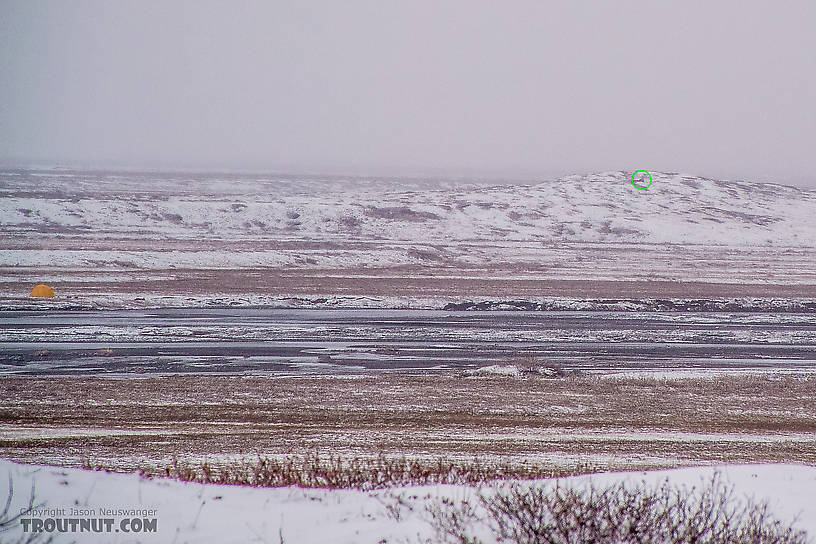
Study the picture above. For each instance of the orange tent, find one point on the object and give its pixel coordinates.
(43, 291)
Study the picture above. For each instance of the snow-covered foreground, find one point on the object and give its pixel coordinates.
(187, 512)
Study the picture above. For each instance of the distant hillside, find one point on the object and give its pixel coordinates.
(677, 209)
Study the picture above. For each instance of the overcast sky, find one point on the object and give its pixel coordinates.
(521, 89)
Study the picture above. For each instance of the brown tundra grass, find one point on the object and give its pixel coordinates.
(561, 425)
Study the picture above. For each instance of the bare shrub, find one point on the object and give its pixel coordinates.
(313, 470)
(530, 364)
(9, 520)
(620, 514)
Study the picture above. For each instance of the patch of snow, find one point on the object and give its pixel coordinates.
(496, 370)
(199, 513)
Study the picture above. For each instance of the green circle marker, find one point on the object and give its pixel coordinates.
(638, 172)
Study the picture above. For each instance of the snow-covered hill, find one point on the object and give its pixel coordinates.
(606, 208)
(78, 228)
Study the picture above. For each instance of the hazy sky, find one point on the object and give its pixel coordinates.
(510, 88)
